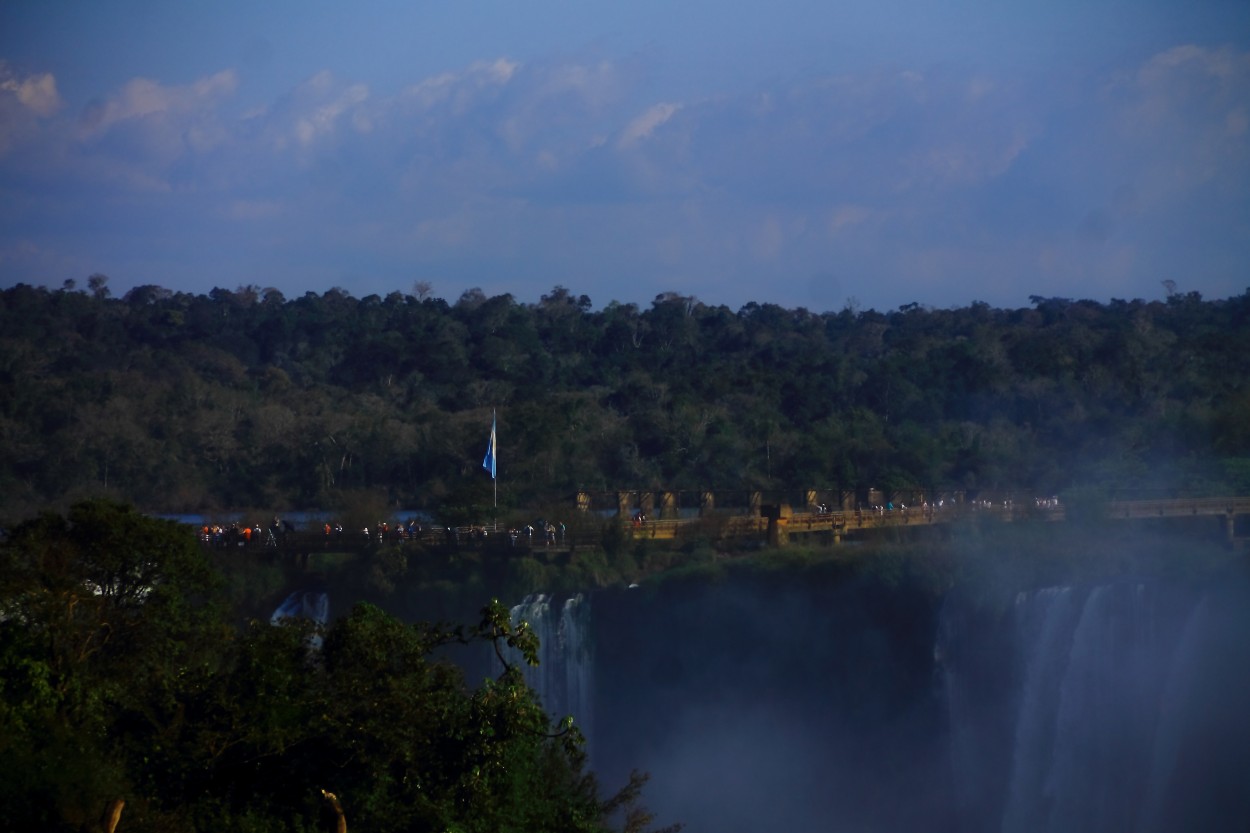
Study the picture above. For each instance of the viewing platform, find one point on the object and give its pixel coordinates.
(775, 523)
(778, 522)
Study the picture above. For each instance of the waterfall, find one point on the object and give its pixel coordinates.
(1088, 709)
(563, 677)
(1095, 721)
(305, 604)
(1176, 697)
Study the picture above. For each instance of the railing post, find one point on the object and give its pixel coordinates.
(778, 520)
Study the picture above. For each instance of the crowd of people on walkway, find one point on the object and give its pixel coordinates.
(274, 533)
(542, 532)
(245, 534)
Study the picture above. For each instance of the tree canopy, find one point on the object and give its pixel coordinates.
(181, 402)
(125, 687)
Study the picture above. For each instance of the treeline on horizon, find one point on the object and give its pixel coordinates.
(179, 402)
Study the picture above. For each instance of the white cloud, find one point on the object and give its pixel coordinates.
(947, 174)
(1221, 63)
(142, 98)
(1182, 118)
(967, 160)
(1188, 80)
(561, 110)
(457, 88)
(136, 138)
(644, 125)
(323, 119)
(35, 92)
(25, 102)
(595, 82)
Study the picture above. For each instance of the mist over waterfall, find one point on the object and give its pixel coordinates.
(810, 702)
(762, 704)
(1107, 708)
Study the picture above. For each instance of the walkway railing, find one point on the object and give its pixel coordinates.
(725, 526)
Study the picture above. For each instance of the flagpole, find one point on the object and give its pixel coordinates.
(494, 516)
(490, 463)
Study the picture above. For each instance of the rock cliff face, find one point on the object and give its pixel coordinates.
(817, 701)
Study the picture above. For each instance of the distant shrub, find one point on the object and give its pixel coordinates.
(528, 575)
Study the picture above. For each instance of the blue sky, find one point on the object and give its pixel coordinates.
(794, 152)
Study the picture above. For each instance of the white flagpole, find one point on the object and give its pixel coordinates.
(491, 464)
(494, 441)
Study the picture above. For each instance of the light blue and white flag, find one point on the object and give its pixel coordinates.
(488, 462)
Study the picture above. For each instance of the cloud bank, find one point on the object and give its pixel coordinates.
(940, 186)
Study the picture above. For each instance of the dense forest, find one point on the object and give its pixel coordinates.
(236, 399)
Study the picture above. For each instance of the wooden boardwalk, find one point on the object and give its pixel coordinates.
(1234, 511)
(834, 526)
(1185, 508)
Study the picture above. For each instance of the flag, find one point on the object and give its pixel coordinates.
(488, 462)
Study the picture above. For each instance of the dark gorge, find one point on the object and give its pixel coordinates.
(835, 697)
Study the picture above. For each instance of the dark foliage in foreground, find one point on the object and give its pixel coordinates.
(122, 681)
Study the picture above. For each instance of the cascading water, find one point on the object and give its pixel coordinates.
(305, 604)
(1176, 699)
(1089, 707)
(1094, 723)
(765, 703)
(563, 677)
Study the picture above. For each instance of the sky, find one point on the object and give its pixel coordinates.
(806, 153)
